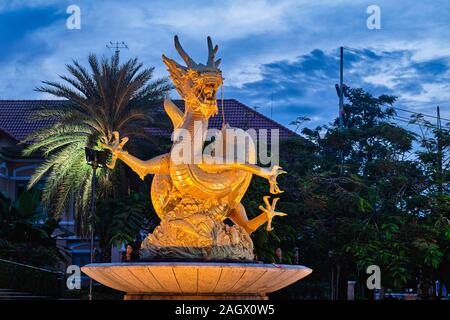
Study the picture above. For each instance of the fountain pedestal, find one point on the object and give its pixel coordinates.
(195, 280)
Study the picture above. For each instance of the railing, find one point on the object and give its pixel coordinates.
(19, 276)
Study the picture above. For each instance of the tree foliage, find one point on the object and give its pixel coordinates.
(108, 96)
(27, 235)
(373, 193)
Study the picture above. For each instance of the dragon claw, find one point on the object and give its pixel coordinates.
(272, 177)
(270, 212)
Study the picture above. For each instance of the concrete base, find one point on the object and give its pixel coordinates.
(156, 296)
(195, 280)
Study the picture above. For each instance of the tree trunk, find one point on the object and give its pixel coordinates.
(333, 295)
(338, 275)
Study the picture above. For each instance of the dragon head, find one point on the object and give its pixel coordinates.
(196, 83)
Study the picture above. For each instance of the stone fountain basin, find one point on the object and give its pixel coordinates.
(142, 280)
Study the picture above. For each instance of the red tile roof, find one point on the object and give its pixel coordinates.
(14, 118)
(15, 114)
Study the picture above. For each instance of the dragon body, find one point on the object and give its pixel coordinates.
(193, 199)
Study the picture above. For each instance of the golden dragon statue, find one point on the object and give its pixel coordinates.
(193, 199)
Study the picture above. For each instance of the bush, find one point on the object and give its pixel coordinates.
(30, 279)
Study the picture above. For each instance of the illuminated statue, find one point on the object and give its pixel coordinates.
(193, 199)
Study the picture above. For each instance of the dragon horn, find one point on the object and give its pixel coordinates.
(189, 62)
(211, 54)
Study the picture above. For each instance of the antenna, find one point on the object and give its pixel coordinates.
(117, 45)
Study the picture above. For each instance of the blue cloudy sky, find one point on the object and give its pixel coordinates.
(279, 54)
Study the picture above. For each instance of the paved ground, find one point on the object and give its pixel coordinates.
(8, 294)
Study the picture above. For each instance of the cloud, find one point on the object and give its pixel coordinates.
(226, 19)
(305, 86)
(280, 53)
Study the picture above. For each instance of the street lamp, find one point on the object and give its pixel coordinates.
(96, 159)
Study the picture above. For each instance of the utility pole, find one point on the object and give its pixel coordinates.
(335, 271)
(439, 170)
(439, 151)
(341, 90)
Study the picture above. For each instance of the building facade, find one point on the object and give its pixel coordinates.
(16, 169)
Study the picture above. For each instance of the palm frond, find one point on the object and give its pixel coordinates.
(107, 96)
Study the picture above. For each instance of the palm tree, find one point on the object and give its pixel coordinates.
(109, 97)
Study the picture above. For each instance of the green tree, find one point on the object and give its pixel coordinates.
(432, 205)
(350, 196)
(26, 234)
(108, 97)
(120, 221)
